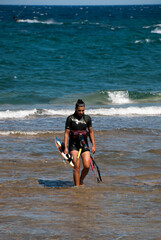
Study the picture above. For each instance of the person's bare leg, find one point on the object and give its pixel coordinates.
(76, 174)
(86, 166)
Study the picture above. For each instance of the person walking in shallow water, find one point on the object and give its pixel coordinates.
(76, 127)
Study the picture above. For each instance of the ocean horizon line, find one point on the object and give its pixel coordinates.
(75, 5)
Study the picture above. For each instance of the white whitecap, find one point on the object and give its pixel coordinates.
(156, 30)
(19, 114)
(157, 25)
(147, 40)
(147, 27)
(119, 97)
(130, 111)
(62, 112)
(138, 41)
(50, 21)
(113, 111)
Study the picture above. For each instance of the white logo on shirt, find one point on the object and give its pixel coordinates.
(79, 121)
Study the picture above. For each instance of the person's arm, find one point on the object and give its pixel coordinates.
(91, 134)
(66, 137)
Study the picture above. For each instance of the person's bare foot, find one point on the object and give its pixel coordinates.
(81, 183)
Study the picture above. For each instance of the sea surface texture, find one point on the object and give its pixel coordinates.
(109, 56)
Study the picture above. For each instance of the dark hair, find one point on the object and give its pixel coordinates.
(79, 103)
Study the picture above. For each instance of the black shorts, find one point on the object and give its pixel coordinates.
(75, 145)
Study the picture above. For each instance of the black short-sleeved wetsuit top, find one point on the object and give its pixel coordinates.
(74, 122)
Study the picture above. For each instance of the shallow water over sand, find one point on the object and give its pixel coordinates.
(39, 201)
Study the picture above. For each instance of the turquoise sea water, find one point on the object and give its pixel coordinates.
(108, 56)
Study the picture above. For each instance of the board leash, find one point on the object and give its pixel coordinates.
(93, 170)
(95, 166)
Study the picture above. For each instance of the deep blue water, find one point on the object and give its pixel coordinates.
(108, 56)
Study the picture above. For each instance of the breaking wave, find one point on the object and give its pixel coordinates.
(113, 111)
(122, 97)
(119, 97)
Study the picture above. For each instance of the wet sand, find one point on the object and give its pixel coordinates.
(38, 199)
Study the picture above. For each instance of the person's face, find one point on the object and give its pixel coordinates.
(80, 111)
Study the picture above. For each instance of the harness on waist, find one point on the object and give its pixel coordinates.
(81, 136)
(76, 133)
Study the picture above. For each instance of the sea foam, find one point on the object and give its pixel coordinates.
(156, 30)
(30, 133)
(113, 111)
(18, 114)
(119, 97)
(129, 111)
(50, 21)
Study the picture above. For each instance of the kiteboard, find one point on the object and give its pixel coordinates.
(67, 157)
